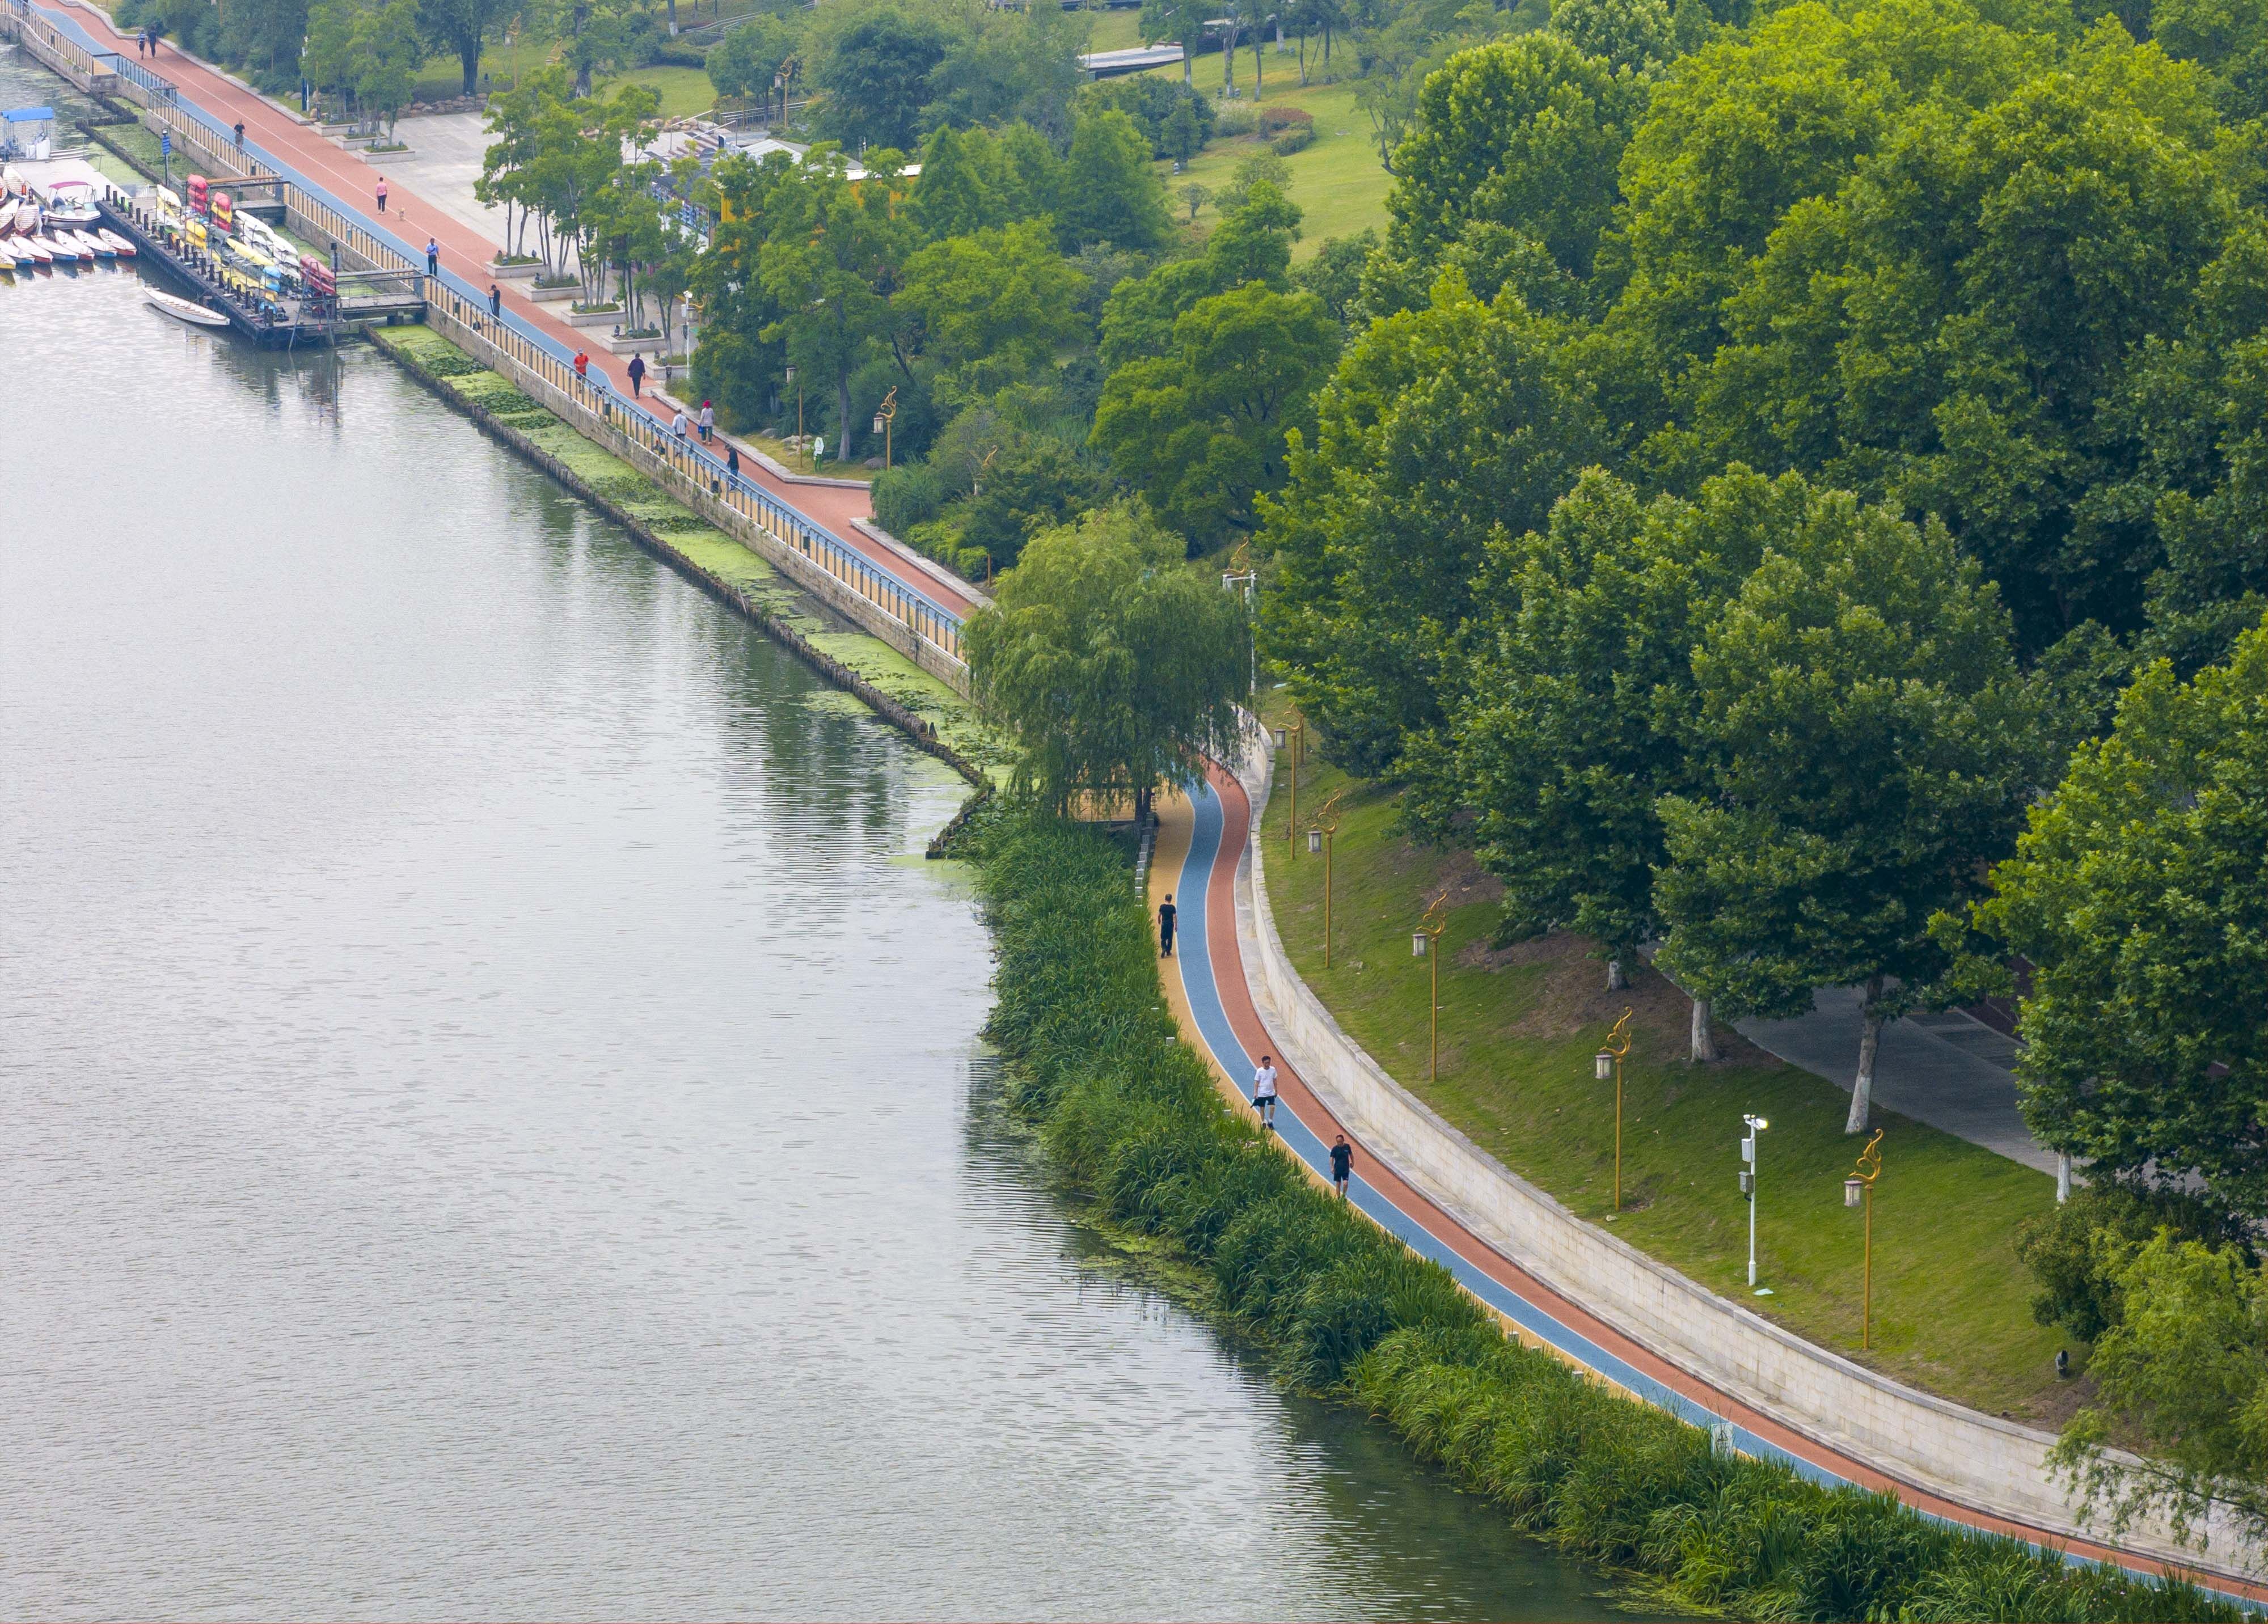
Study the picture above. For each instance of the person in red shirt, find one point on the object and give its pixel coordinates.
(583, 365)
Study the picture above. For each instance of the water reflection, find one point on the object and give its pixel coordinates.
(490, 1102)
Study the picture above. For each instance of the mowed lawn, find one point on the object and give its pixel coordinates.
(684, 91)
(1339, 182)
(1519, 1028)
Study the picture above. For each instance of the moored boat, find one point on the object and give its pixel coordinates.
(119, 246)
(93, 244)
(184, 310)
(37, 247)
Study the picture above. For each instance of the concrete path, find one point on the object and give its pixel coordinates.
(1202, 840)
(1945, 1068)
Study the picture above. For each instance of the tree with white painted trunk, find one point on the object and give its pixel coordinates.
(1869, 746)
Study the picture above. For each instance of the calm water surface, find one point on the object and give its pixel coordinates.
(495, 1121)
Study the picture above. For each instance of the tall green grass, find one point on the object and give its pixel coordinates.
(1131, 1118)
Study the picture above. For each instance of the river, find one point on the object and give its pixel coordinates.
(495, 1121)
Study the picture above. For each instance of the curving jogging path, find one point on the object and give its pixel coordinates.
(301, 153)
(1203, 839)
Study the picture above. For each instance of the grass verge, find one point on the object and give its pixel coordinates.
(1339, 182)
(1519, 1028)
(1129, 1119)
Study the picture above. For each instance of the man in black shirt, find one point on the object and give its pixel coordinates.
(1342, 1165)
(1166, 912)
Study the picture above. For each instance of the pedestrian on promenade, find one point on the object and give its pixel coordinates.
(382, 194)
(638, 375)
(496, 301)
(1264, 1093)
(1165, 915)
(239, 135)
(708, 422)
(582, 366)
(1342, 1165)
(733, 463)
(141, 42)
(677, 424)
(432, 256)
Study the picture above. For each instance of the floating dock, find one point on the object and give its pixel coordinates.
(278, 325)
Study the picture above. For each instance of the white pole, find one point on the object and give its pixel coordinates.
(1753, 1194)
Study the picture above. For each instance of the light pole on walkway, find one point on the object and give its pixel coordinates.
(1319, 839)
(1858, 1191)
(1297, 733)
(1426, 942)
(1610, 1055)
(1757, 1125)
(802, 446)
(885, 415)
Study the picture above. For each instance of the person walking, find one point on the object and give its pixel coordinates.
(638, 375)
(1165, 915)
(1342, 1165)
(432, 256)
(1264, 1093)
(708, 422)
(141, 42)
(496, 301)
(239, 135)
(582, 366)
(733, 464)
(382, 194)
(677, 424)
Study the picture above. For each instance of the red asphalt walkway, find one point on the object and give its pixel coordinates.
(352, 181)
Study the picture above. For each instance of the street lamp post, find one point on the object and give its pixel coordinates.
(802, 446)
(1757, 1125)
(1426, 942)
(1610, 1054)
(885, 415)
(1858, 1191)
(1319, 839)
(1299, 736)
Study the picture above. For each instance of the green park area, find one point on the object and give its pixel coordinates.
(1519, 1025)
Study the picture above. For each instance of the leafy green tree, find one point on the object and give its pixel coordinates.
(1112, 670)
(1335, 274)
(1013, 65)
(1252, 245)
(1196, 196)
(2140, 896)
(997, 305)
(751, 55)
(2230, 38)
(1201, 430)
(2186, 1368)
(952, 196)
(1109, 192)
(1182, 22)
(1443, 427)
(830, 249)
(1527, 133)
(461, 29)
(1034, 483)
(1637, 34)
(873, 70)
(1579, 696)
(1868, 747)
(1181, 137)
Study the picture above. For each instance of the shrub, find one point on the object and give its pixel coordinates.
(1276, 119)
(1234, 118)
(2058, 1248)
(1298, 138)
(906, 496)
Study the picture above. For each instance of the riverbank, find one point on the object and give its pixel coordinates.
(1132, 1119)
(933, 714)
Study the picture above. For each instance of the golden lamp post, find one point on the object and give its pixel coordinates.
(1319, 839)
(1858, 1191)
(1297, 733)
(1426, 942)
(1609, 1059)
(885, 415)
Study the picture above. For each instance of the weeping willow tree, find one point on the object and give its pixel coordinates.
(1114, 667)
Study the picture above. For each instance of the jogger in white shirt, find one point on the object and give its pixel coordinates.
(1264, 1093)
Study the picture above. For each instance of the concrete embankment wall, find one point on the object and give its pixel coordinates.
(732, 593)
(1976, 1460)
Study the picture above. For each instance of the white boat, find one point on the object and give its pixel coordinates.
(93, 244)
(7, 217)
(63, 248)
(120, 245)
(37, 247)
(18, 256)
(184, 309)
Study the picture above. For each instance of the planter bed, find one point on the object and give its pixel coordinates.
(594, 318)
(542, 295)
(504, 273)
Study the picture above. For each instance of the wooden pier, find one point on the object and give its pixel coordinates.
(287, 322)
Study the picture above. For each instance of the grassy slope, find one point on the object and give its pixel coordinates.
(1337, 182)
(1519, 1028)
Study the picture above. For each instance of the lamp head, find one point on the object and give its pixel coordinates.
(1854, 1188)
(1419, 941)
(1314, 841)
(1605, 1064)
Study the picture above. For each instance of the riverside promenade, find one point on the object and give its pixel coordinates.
(1204, 856)
(283, 143)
